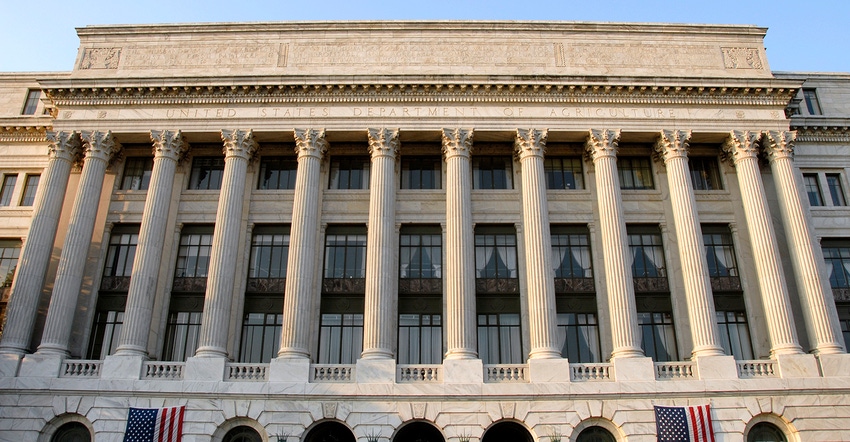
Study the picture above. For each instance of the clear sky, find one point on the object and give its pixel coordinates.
(803, 35)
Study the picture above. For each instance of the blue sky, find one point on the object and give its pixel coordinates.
(811, 35)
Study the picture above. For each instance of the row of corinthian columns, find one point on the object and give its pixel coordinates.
(99, 148)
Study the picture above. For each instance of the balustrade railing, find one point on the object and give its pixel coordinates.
(505, 373)
(419, 373)
(163, 370)
(757, 369)
(76, 368)
(674, 370)
(332, 373)
(591, 372)
(247, 372)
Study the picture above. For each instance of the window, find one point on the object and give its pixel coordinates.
(635, 173)
(810, 181)
(8, 188)
(121, 251)
(260, 336)
(495, 253)
(578, 334)
(277, 173)
(137, 173)
(269, 252)
(193, 256)
(420, 252)
(420, 338)
(500, 338)
(833, 183)
(492, 172)
(420, 173)
(207, 173)
(242, 434)
(595, 434)
(812, 103)
(719, 252)
(563, 173)
(183, 327)
(844, 320)
(340, 338)
(345, 252)
(705, 173)
(571, 252)
(647, 253)
(10, 251)
(735, 333)
(658, 336)
(837, 256)
(349, 173)
(30, 188)
(33, 97)
(106, 329)
(765, 432)
(72, 432)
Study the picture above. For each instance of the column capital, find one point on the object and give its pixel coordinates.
(310, 142)
(64, 145)
(741, 144)
(531, 142)
(238, 143)
(602, 143)
(100, 145)
(457, 142)
(673, 144)
(383, 142)
(780, 144)
(169, 144)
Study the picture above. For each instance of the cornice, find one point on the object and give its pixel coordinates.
(830, 134)
(28, 130)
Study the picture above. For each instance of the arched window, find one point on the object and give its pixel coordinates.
(595, 434)
(242, 434)
(419, 432)
(72, 432)
(507, 432)
(330, 432)
(765, 432)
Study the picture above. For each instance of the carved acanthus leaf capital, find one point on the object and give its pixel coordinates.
(310, 142)
(531, 142)
(100, 145)
(602, 143)
(741, 144)
(238, 143)
(780, 144)
(457, 142)
(169, 144)
(383, 142)
(64, 145)
(673, 144)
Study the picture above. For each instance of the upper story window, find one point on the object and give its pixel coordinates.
(563, 173)
(837, 256)
(812, 104)
(719, 251)
(345, 252)
(420, 252)
(635, 173)
(10, 250)
(571, 252)
(495, 253)
(277, 173)
(349, 173)
(121, 251)
(30, 188)
(269, 252)
(810, 181)
(193, 256)
(647, 252)
(815, 182)
(137, 173)
(836, 193)
(420, 173)
(705, 173)
(7, 190)
(207, 173)
(33, 97)
(492, 172)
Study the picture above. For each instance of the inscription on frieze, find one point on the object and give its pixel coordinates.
(215, 56)
(100, 58)
(640, 55)
(423, 54)
(742, 58)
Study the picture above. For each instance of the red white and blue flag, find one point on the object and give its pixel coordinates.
(154, 424)
(684, 424)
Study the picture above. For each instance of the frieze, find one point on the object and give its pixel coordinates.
(234, 55)
(640, 55)
(412, 53)
(742, 58)
(100, 58)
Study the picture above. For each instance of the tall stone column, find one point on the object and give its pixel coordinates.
(602, 147)
(310, 145)
(381, 266)
(821, 317)
(672, 146)
(239, 147)
(460, 257)
(168, 147)
(531, 145)
(100, 148)
(742, 148)
(35, 255)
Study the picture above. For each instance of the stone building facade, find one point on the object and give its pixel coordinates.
(399, 231)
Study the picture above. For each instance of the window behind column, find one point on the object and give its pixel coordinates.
(137, 173)
(836, 252)
(421, 172)
(497, 295)
(277, 173)
(207, 173)
(563, 173)
(635, 173)
(349, 172)
(705, 173)
(492, 172)
(420, 332)
(10, 251)
(187, 293)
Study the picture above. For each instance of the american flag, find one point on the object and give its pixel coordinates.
(684, 424)
(154, 424)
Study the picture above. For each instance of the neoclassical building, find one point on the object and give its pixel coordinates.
(435, 231)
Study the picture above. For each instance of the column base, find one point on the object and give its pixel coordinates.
(40, 366)
(287, 369)
(716, 367)
(837, 365)
(633, 369)
(9, 364)
(549, 370)
(463, 371)
(375, 371)
(122, 367)
(797, 366)
(204, 369)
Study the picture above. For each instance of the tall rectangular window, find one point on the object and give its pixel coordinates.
(635, 173)
(571, 252)
(734, 333)
(705, 173)
(836, 252)
(31, 105)
(421, 173)
(269, 252)
(277, 173)
(10, 251)
(30, 189)
(420, 252)
(349, 173)
(106, 331)
(812, 185)
(495, 253)
(500, 338)
(7, 190)
(647, 252)
(193, 256)
(812, 103)
(658, 335)
(137, 173)
(492, 172)
(836, 193)
(578, 334)
(340, 338)
(345, 252)
(260, 336)
(121, 251)
(719, 251)
(563, 173)
(420, 338)
(207, 173)
(181, 334)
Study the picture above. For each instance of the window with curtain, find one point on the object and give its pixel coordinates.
(106, 329)
(260, 335)
(658, 335)
(563, 173)
(647, 252)
(277, 173)
(571, 252)
(420, 338)
(492, 172)
(495, 253)
(635, 173)
(421, 172)
(719, 251)
(500, 338)
(137, 173)
(578, 334)
(734, 333)
(420, 252)
(183, 327)
(340, 338)
(349, 173)
(705, 173)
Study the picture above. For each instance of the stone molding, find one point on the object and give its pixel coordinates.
(457, 142)
(779, 144)
(530, 142)
(169, 144)
(64, 145)
(310, 142)
(24, 133)
(383, 142)
(673, 144)
(741, 144)
(602, 143)
(239, 143)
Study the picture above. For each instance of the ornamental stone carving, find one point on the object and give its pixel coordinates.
(742, 58)
(779, 144)
(169, 144)
(100, 58)
(457, 142)
(310, 142)
(673, 144)
(741, 144)
(100, 145)
(602, 143)
(383, 142)
(64, 145)
(531, 142)
(238, 143)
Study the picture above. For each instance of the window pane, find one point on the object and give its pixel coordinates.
(193, 256)
(719, 252)
(31, 104)
(734, 334)
(492, 173)
(260, 337)
(269, 252)
(30, 188)
(495, 256)
(340, 338)
(420, 339)
(277, 173)
(499, 339)
(563, 173)
(578, 334)
(207, 173)
(137, 173)
(836, 253)
(635, 173)
(121, 252)
(10, 251)
(420, 254)
(812, 103)
(658, 336)
(349, 173)
(420, 173)
(181, 335)
(810, 181)
(571, 254)
(345, 254)
(833, 180)
(8, 188)
(705, 174)
(647, 255)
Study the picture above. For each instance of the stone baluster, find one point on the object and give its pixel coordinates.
(460, 257)
(381, 266)
(310, 145)
(239, 147)
(672, 146)
(100, 148)
(819, 311)
(35, 254)
(742, 149)
(602, 147)
(530, 145)
(168, 148)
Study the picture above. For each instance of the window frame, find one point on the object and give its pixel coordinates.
(286, 177)
(7, 189)
(142, 170)
(207, 176)
(707, 177)
(555, 172)
(410, 176)
(204, 233)
(494, 181)
(634, 176)
(340, 178)
(31, 102)
(810, 97)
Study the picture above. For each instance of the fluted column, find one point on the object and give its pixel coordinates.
(381, 267)
(460, 257)
(531, 145)
(100, 148)
(310, 145)
(35, 256)
(672, 146)
(239, 147)
(168, 147)
(602, 147)
(819, 311)
(742, 148)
